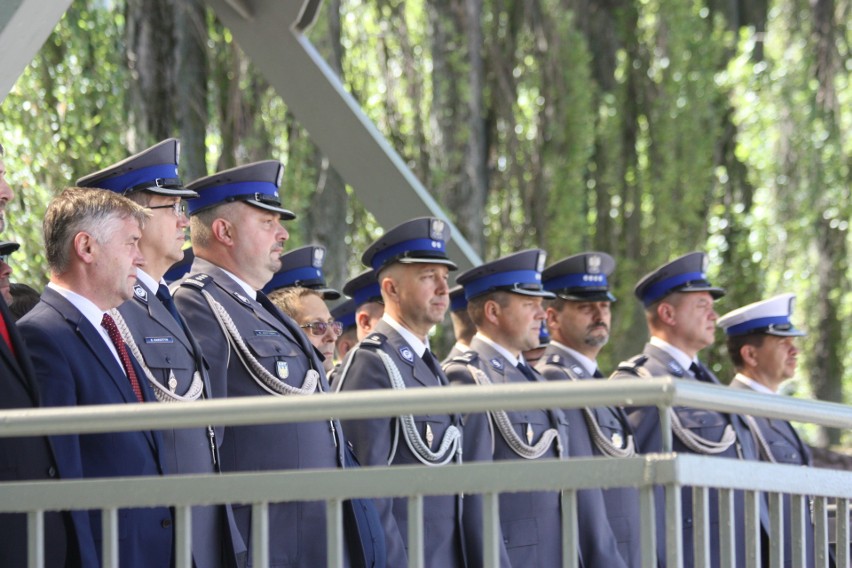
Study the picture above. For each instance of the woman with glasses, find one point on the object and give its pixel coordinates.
(308, 309)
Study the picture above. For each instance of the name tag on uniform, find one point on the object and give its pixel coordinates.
(167, 339)
(265, 333)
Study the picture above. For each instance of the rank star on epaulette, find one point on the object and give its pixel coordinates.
(140, 293)
(407, 354)
(496, 363)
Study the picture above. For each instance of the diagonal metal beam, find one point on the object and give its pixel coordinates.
(270, 32)
(24, 27)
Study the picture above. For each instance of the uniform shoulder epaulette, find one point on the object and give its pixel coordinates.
(373, 340)
(635, 365)
(465, 358)
(199, 281)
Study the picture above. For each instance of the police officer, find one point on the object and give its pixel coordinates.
(504, 301)
(170, 357)
(578, 320)
(359, 315)
(253, 349)
(678, 301)
(412, 267)
(761, 343)
(463, 326)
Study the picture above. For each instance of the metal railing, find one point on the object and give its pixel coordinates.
(667, 470)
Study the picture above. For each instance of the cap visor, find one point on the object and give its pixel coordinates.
(427, 260)
(171, 192)
(602, 296)
(286, 215)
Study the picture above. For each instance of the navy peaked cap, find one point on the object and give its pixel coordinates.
(181, 268)
(154, 170)
(256, 184)
(363, 288)
(8, 247)
(344, 312)
(687, 273)
(519, 273)
(421, 240)
(581, 277)
(303, 267)
(458, 302)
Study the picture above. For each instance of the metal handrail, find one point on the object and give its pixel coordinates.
(660, 392)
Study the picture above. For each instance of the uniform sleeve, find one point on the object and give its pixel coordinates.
(477, 446)
(371, 440)
(205, 328)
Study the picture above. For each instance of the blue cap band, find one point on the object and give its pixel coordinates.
(413, 245)
(492, 281)
(663, 287)
(232, 191)
(458, 303)
(759, 323)
(367, 294)
(289, 277)
(348, 320)
(576, 281)
(132, 179)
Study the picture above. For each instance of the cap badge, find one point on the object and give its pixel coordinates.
(593, 264)
(140, 293)
(407, 354)
(705, 262)
(282, 369)
(318, 257)
(542, 258)
(436, 230)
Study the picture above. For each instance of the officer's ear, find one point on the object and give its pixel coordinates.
(491, 310)
(222, 231)
(83, 243)
(666, 313)
(390, 289)
(362, 320)
(749, 355)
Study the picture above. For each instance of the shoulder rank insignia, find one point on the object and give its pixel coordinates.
(497, 363)
(555, 359)
(406, 353)
(633, 365)
(197, 280)
(140, 293)
(372, 340)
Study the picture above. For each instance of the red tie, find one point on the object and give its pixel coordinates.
(4, 331)
(112, 330)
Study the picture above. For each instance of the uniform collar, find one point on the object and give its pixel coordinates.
(250, 292)
(682, 358)
(499, 349)
(752, 384)
(147, 280)
(412, 340)
(588, 364)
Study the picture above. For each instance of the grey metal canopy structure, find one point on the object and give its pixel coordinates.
(271, 32)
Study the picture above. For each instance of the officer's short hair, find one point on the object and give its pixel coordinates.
(476, 306)
(143, 198)
(556, 303)
(78, 209)
(201, 223)
(289, 300)
(735, 343)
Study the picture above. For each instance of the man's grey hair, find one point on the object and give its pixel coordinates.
(77, 210)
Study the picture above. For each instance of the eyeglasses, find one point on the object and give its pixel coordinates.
(178, 208)
(319, 328)
(4, 258)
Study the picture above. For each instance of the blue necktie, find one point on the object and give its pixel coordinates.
(528, 373)
(166, 298)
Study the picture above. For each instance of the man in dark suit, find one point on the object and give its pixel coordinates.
(91, 238)
(578, 320)
(253, 349)
(30, 458)
(678, 301)
(761, 343)
(170, 358)
(412, 268)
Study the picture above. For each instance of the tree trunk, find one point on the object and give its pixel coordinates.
(191, 87)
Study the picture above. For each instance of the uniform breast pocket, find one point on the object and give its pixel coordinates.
(530, 425)
(166, 356)
(705, 423)
(280, 357)
(431, 429)
(610, 425)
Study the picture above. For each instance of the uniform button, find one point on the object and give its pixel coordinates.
(51, 471)
(688, 522)
(795, 455)
(166, 523)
